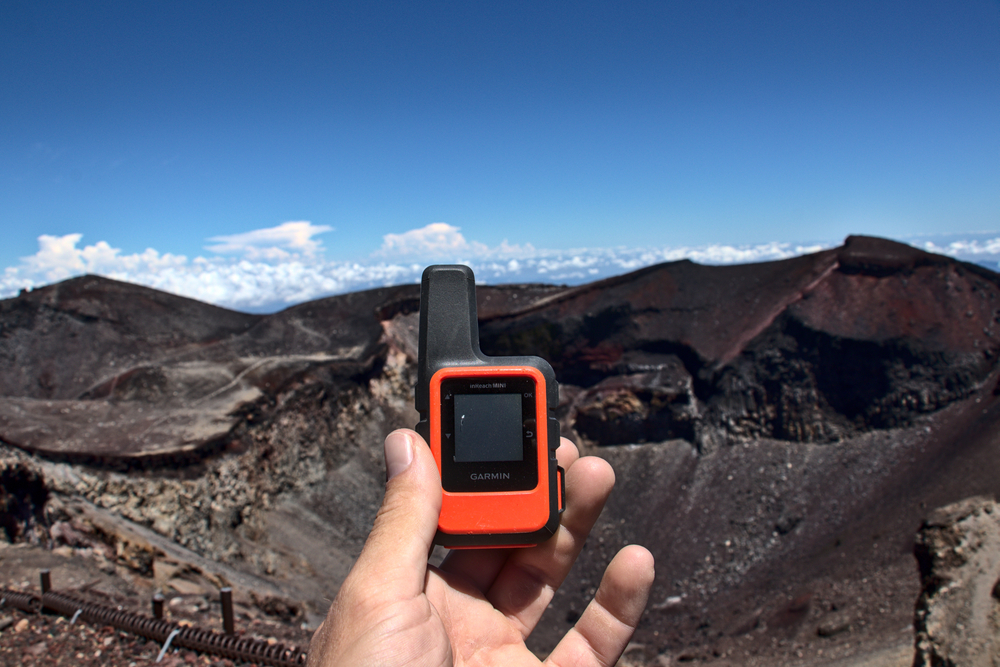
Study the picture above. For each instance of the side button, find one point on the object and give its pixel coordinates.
(561, 474)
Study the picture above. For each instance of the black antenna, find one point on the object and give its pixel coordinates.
(449, 325)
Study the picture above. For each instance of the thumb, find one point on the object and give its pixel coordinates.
(395, 553)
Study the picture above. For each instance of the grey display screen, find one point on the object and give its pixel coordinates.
(488, 427)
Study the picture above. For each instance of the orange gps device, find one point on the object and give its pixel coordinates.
(490, 423)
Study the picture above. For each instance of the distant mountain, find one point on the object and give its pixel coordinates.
(778, 429)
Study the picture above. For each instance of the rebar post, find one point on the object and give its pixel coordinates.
(226, 596)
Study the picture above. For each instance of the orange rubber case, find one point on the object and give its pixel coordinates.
(479, 512)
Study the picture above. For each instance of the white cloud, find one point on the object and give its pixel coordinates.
(287, 240)
(58, 258)
(259, 279)
(235, 283)
(965, 248)
(439, 239)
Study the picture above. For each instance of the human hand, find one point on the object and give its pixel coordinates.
(480, 605)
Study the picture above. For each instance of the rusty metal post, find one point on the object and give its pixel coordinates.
(226, 596)
(46, 582)
(158, 607)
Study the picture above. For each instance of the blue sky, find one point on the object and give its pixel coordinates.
(171, 143)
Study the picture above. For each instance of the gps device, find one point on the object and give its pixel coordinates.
(490, 423)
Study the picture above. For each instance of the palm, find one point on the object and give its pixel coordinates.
(479, 606)
(478, 633)
(489, 601)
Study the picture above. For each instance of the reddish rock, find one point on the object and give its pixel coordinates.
(815, 348)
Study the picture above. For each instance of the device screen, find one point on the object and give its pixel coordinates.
(488, 427)
(489, 439)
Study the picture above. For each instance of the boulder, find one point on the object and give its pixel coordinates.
(958, 614)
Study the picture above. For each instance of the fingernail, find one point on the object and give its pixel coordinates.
(398, 453)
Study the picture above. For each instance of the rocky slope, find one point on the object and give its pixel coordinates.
(778, 430)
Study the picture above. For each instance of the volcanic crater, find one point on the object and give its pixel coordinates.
(778, 431)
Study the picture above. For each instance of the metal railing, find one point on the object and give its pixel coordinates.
(158, 630)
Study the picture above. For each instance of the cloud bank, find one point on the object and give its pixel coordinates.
(268, 269)
(971, 247)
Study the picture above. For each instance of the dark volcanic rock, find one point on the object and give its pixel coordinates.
(101, 370)
(60, 340)
(23, 495)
